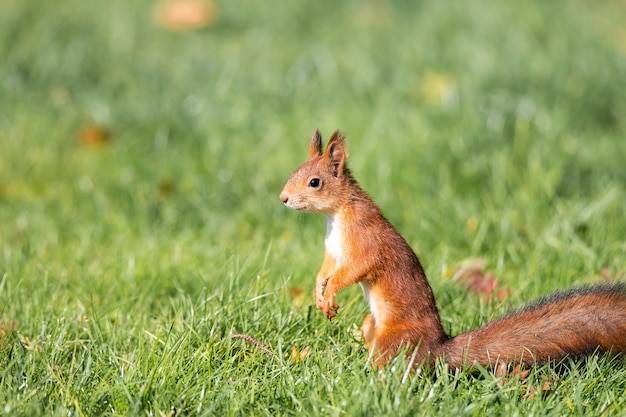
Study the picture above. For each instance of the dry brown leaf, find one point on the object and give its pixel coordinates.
(5, 330)
(181, 15)
(93, 135)
(520, 372)
(501, 371)
(531, 391)
(480, 283)
(503, 294)
(298, 295)
(471, 273)
(296, 292)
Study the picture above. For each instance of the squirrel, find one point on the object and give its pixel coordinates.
(362, 246)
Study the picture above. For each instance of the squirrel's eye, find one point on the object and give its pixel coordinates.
(314, 182)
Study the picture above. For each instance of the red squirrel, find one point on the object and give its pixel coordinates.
(363, 247)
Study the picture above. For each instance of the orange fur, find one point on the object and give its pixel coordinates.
(363, 247)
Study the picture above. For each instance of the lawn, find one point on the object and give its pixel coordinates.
(141, 229)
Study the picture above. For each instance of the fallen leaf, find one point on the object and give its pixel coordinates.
(298, 295)
(5, 331)
(295, 292)
(93, 135)
(480, 283)
(298, 356)
(181, 15)
(546, 388)
(501, 371)
(471, 273)
(503, 294)
(520, 372)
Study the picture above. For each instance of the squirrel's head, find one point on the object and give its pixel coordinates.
(318, 184)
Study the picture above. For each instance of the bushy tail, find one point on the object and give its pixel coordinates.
(575, 323)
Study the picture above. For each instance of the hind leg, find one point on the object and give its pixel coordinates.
(384, 342)
(380, 343)
(368, 330)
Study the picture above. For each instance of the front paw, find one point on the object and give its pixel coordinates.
(319, 292)
(329, 307)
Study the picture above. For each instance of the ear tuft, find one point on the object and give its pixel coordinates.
(315, 149)
(336, 153)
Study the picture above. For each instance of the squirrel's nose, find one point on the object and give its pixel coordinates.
(284, 197)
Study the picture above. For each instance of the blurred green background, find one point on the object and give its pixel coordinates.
(140, 168)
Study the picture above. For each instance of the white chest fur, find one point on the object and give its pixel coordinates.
(377, 305)
(332, 242)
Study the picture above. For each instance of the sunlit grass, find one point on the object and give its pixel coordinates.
(127, 261)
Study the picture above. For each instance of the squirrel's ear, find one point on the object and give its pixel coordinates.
(315, 149)
(336, 153)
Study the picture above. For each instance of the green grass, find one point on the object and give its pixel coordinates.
(486, 129)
